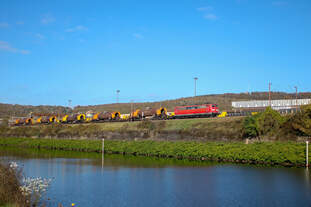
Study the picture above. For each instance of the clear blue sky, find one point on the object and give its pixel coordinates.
(52, 51)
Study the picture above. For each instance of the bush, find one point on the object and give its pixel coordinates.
(300, 123)
(10, 192)
(269, 122)
(250, 127)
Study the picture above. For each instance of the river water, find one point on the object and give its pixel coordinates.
(88, 180)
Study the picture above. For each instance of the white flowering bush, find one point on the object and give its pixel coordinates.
(33, 188)
(13, 165)
(35, 185)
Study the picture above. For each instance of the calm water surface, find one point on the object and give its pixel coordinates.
(87, 180)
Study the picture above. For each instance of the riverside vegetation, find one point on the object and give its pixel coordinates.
(19, 191)
(10, 192)
(271, 153)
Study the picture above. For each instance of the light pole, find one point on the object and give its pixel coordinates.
(118, 91)
(70, 103)
(270, 93)
(296, 98)
(195, 86)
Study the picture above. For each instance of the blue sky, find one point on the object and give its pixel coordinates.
(52, 51)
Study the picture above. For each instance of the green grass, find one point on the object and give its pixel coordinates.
(273, 153)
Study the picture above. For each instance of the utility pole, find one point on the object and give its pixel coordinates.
(132, 108)
(69, 103)
(270, 93)
(118, 91)
(296, 98)
(195, 86)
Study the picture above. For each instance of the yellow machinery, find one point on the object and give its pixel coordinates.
(125, 116)
(29, 121)
(161, 112)
(38, 121)
(64, 119)
(52, 119)
(89, 116)
(115, 115)
(170, 115)
(81, 117)
(136, 114)
(223, 114)
(17, 121)
(107, 116)
(95, 117)
(24, 121)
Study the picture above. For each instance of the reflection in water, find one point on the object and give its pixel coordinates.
(307, 177)
(90, 179)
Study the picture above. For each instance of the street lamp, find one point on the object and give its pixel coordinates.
(118, 91)
(296, 98)
(195, 86)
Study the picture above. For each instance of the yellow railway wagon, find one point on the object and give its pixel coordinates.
(125, 116)
(38, 120)
(115, 115)
(52, 119)
(64, 119)
(29, 121)
(81, 117)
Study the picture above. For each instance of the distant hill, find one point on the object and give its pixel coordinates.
(223, 100)
(9, 110)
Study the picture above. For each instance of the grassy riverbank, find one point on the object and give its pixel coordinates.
(276, 153)
(184, 129)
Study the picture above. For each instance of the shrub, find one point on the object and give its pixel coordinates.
(10, 191)
(250, 127)
(300, 123)
(269, 122)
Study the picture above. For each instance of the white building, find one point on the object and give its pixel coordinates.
(275, 104)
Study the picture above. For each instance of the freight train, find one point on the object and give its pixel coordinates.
(193, 111)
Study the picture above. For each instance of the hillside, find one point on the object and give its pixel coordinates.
(9, 110)
(223, 100)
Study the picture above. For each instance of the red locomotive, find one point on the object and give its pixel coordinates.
(204, 110)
